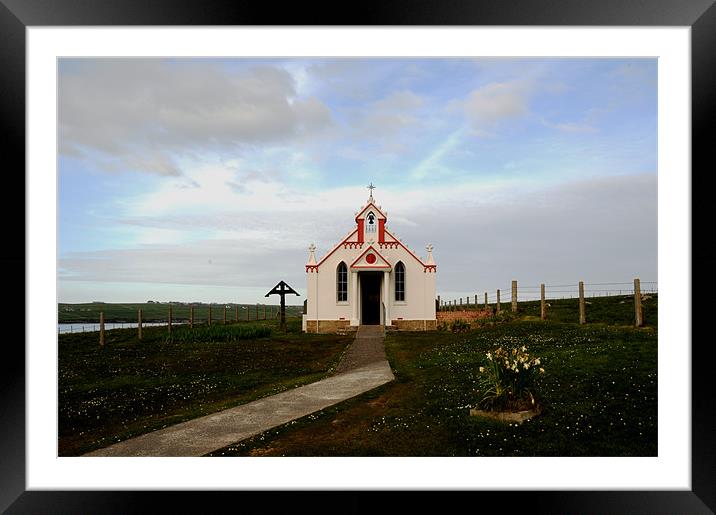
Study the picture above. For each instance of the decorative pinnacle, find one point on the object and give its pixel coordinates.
(430, 260)
(371, 188)
(311, 256)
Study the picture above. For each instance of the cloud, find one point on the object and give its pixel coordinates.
(141, 114)
(573, 127)
(388, 116)
(596, 230)
(239, 263)
(432, 163)
(493, 103)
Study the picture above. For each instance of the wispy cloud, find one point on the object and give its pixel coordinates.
(431, 164)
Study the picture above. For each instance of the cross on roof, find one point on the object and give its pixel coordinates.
(371, 188)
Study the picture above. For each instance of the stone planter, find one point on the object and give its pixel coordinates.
(508, 416)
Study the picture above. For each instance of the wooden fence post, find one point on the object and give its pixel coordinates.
(139, 324)
(485, 300)
(439, 304)
(638, 313)
(582, 317)
(101, 329)
(543, 304)
(209, 313)
(224, 314)
(169, 325)
(514, 296)
(460, 302)
(248, 312)
(236, 312)
(477, 306)
(498, 302)
(191, 317)
(257, 311)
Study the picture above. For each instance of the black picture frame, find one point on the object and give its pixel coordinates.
(16, 15)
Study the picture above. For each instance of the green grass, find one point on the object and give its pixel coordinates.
(613, 310)
(599, 390)
(130, 387)
(118, 312)
(599, 394)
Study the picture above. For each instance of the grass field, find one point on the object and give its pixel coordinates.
(599, 390)
(152, 311)
(599, 393)
(132, 387)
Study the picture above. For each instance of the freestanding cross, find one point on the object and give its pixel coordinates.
(282, 289)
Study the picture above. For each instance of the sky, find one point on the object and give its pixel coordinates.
(205, 180)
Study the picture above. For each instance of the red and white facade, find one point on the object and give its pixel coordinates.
(370, 277)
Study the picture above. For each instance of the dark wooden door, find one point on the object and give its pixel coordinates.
(370, 297)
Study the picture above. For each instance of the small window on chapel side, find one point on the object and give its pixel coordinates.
(400, 282)
(342, 283)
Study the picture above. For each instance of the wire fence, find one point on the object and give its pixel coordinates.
(508, 299)
(552, 292)
(175, 315)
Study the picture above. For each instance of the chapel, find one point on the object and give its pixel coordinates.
(370, 277)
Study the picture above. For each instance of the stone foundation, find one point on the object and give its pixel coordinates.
(343, 326)
(327, 326)
(415, 325)
(449, 316)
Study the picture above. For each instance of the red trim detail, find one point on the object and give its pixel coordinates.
(388, 245)
(360, 230)
(366, 208)
(406, 248)
(381, 231)
(370, 247)
(311, 268)
(430, 268)
(335, 248)
(370, 259)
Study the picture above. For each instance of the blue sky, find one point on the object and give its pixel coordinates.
(207, 179)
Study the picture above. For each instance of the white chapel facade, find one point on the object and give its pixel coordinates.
(370, 278)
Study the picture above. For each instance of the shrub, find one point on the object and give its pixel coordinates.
(507, 380)
(459, 326)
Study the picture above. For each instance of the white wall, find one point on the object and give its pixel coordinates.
(419, 288)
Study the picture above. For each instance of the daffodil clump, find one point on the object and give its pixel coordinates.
(507, 380)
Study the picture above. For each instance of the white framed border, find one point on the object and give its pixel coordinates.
(670, 470)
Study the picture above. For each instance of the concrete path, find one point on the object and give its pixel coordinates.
(362, 368)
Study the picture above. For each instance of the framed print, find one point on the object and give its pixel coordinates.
(41, 37)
